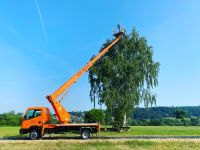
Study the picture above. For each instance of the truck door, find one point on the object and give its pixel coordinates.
(32, 118)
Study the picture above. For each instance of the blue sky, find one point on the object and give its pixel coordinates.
(35, 61)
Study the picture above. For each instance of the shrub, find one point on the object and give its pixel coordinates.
(94, 116)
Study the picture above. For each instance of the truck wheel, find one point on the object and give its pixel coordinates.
(34, 135)
(85, 134)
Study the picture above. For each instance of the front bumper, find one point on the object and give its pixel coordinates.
(23, 131)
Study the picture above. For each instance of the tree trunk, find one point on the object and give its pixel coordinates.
(94, 104)
(124, 122)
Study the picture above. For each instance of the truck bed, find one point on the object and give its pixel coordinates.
(58, 128)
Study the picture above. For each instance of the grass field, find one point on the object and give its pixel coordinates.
(135, 131)
(9, 131)
(158, 144)
(158, 130)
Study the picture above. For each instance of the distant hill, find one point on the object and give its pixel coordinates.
(164, 112)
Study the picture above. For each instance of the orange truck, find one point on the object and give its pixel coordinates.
(36, 120)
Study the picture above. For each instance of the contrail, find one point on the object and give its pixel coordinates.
(41, 20)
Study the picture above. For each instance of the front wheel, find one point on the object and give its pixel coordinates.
(85, 134)
(34, 135)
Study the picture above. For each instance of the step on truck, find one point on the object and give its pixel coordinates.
(36, 120)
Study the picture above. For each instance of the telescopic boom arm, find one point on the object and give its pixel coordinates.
(62, 115)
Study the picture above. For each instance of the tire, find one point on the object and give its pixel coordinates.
(85, 134)
(34, 135)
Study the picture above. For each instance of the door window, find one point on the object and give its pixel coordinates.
(32, 114)
(37, 113)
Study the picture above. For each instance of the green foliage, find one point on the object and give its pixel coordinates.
(156, 122)
(166, 122)
(175, 122)
(108, 118)
(195, 121)
(124, 77)
(154, 112)
(53, 119)
(165, 112)
(94, 116)
(180, 114)
(10, 119)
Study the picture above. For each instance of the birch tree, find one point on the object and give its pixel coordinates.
(125, 77)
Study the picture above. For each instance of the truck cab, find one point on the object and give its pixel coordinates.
(34, 118)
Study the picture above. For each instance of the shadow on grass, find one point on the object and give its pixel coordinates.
(46, 137)
(16, 137)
